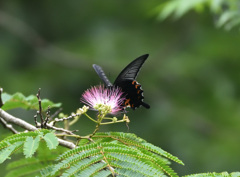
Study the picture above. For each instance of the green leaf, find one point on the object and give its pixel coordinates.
(18, 100)
(233, 22)
(227, 11)
(178, 8)
(5, 153)
(215, 5)
(225, 17)
(30, 146)
(5, 97)
(51, 140)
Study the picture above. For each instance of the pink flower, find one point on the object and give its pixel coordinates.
(98, 96)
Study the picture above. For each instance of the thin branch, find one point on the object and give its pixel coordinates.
(40, 108)
(1, 102)
(35, 120)
(55, 114)
(50, 126)
(47, 117)
(8, 126)
(76, 136)
(107, 123)
(59, 129)
(66, 144)
(64, 118)
(21, 123)
(17, 121)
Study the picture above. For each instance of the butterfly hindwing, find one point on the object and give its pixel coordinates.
(127, 81)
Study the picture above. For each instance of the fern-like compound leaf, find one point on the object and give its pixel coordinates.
(132, 140)
(129, 173)
(51, 140)
(136, 158)
(75, 157)
(85, 167)
(114, 157)
(46, 171)
(30, 146)
(31, 142)
(134, 164)
(5, 153)
(82, 149)
(102, 173)
(27, 134)
(96, 169)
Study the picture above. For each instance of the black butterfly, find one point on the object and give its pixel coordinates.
(126, 80)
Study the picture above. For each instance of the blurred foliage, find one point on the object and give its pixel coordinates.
(18, 100)
(191, 79)
(223, 174)
(226, 13)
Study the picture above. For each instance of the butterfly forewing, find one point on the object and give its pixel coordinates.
(131, 70)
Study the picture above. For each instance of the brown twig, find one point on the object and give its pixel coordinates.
(47, 117)
(39, 112)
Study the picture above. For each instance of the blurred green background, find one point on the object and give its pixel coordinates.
(191, 78)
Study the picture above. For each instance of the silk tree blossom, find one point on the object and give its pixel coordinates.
(105, 100)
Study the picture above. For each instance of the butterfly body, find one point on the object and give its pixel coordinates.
(126, 80)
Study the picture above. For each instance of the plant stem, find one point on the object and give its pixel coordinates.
(100, 118)
(119, 121)
(90, 118)
(75, 136)
(74, 121)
